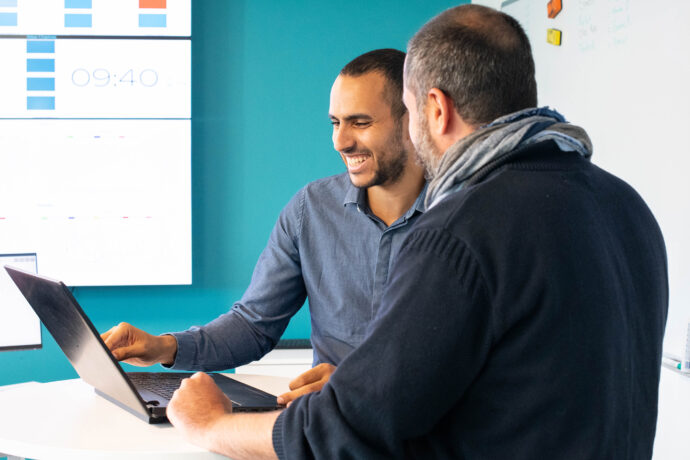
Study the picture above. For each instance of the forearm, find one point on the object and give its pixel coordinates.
(243, 436)
(226, 342)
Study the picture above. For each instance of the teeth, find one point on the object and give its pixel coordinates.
(356, 161)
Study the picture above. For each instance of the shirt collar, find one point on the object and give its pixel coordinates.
(419, 202)
(358, 196)
(352, 195)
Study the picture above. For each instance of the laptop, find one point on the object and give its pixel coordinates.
(144, 394)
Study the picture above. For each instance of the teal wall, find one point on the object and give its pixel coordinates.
(262, 72)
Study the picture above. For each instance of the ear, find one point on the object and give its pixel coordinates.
(439, 112)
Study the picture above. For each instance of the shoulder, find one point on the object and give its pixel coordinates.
(337, 183)
(322, 193)
(326, 191)
(534, 198)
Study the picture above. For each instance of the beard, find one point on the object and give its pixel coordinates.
(426, 153)
(392, 166)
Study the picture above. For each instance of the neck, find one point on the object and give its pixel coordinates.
(389, 202)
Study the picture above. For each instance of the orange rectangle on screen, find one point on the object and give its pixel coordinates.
(151, 3)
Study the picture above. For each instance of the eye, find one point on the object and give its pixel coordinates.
(361, 124)
(335, 123)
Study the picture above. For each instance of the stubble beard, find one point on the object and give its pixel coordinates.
(391, 167)
(427, 154)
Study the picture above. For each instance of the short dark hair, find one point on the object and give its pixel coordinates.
(479, 57)
(390, 63)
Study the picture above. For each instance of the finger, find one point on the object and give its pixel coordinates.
(201, 376)
(109, 340)
(315, 374)
(123, 353)
(305, 378)
(113, 337)
(183, 383)
(285, 398)
(108, 333)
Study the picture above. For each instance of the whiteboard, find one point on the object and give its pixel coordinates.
(622, 72)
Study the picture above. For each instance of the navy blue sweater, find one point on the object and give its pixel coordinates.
(523, 319)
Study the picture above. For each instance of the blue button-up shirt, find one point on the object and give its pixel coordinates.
(327, 246)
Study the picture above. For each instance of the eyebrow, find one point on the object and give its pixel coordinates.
(354, 116)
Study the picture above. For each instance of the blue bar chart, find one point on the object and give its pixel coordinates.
(40, 69)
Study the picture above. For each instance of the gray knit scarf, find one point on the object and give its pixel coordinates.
(497, 139)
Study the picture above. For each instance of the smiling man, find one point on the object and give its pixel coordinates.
(370, 133)
(333, 243)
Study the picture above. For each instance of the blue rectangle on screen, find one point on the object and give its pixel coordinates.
(8, 19)
(40, 65)
(77, 20)
(152, 20)
(8, 2)
(40, 46)
(40, 103)
(40, 84)
(77, 3)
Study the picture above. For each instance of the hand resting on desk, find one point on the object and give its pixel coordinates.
(203, 414)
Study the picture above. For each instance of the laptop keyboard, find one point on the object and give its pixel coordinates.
(161, 383)
(164, 384)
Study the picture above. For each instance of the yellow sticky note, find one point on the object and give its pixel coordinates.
(553, 36)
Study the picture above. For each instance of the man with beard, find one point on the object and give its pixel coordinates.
(333, 243)
(525, 312)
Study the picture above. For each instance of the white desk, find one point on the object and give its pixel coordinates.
(283, 362)
(671, 442)
(68, 420)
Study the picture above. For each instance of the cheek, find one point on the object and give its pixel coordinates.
(413, 128)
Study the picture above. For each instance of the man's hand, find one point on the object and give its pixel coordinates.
(312, 380)
(134, 346)
(197, 406)
(203, 414)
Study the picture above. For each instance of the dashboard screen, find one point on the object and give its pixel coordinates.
(95, 139)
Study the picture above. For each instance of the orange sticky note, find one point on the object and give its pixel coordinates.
(554, 7)
(151, 3)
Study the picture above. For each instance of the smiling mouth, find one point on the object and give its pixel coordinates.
(354, 162)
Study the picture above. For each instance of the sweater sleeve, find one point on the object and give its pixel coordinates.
(428, 344)
(256, 322)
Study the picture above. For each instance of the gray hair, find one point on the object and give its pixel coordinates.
(479, 57)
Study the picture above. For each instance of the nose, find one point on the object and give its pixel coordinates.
(343, 141)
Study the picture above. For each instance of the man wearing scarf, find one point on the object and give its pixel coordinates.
(524, 314)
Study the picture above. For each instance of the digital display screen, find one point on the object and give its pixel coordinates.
(95, 139)
(20, 327)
